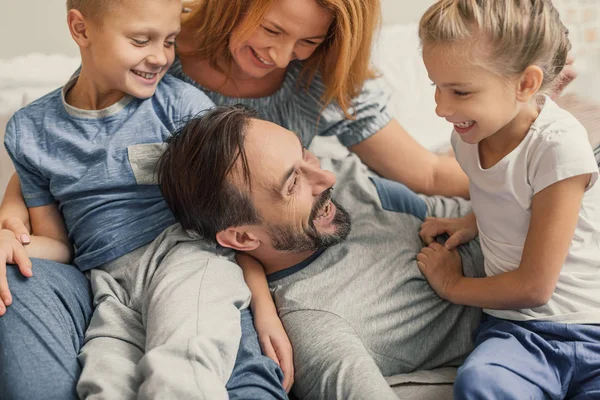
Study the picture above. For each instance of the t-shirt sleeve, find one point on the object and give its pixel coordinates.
(34, 185)
(192, 102)
(371, 112)
(562, 155)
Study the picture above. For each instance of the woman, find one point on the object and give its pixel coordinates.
(305, 65)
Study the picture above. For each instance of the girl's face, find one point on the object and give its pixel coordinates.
(478, 102)
(290, 30)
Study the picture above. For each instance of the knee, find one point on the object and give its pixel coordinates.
(476, 382)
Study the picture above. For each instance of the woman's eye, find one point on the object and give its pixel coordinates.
(270, 31)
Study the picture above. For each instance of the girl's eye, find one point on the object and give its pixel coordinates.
(270, 31)
(140, 42)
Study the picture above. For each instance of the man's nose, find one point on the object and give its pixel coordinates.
(321, 180)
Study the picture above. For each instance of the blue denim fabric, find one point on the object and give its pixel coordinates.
(42, 332)
(531, 360)
(254, 376)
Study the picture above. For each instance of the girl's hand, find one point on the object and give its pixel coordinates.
(441, 267)
(460, 230)
(276, 345)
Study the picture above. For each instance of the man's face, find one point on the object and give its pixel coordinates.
(291, 193)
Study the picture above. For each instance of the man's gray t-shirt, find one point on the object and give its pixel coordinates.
(371, 283)
(88, 163)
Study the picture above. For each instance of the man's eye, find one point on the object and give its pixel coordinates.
(294, 183)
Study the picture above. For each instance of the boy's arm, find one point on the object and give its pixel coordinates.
(271, 333)
(49, 235)
(554, 216)
(13, 210)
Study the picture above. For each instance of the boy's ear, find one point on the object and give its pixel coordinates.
(78, 26)
(531, 81)
(238, 238)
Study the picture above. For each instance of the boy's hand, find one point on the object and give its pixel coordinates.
(276, 345)
(460, 230)
(11, 252)
(441, 267)
(16, 226)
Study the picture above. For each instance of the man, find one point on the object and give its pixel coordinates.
(353, 302)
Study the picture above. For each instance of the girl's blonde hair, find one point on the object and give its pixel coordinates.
(514, 33)
(343, 59)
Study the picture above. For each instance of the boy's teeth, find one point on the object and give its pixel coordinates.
(144, 75)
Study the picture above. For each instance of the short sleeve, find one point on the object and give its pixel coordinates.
(371, 112)
(34, 185)
(560, 155)
(192, 102)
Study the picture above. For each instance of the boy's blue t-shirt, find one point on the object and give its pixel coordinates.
(82, 160)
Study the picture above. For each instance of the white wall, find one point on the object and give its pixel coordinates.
(28, 26)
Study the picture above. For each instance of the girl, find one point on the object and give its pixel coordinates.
(536, 201)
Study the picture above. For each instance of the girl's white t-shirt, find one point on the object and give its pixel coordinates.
(555, 148)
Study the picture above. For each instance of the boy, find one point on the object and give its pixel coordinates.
(168, 308)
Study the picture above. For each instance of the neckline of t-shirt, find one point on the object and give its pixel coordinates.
(543, 104)
(289, 79)
(92, 114)
(284, 273)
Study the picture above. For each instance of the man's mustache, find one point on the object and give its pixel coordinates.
(320, 203)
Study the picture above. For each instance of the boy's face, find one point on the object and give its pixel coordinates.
(476, 101)
(132, 47)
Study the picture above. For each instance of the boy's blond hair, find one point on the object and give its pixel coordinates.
(514, 33)
(94, 9)
(343, 58)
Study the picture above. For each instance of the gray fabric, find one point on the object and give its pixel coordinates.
(299, 108)
(166, 323)
(362, 310)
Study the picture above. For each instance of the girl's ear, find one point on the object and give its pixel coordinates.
(530, 83)
(238, 238)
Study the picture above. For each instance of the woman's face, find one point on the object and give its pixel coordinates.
(290, 30)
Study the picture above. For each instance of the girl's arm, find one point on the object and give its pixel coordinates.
(554, 216)
(271, 333)
(395, 155)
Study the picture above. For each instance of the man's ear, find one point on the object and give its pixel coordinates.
(239, 238)
(78, 26)
(530, 83)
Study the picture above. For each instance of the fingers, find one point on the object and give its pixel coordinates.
(287, 366)
(5, 297)
(16, 226)
(22, 260)
(269, 351)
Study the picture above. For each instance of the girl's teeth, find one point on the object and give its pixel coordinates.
(465, 124)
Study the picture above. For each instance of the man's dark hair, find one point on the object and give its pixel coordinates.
(194, 172)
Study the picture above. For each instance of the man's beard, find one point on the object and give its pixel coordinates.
(288, 238)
